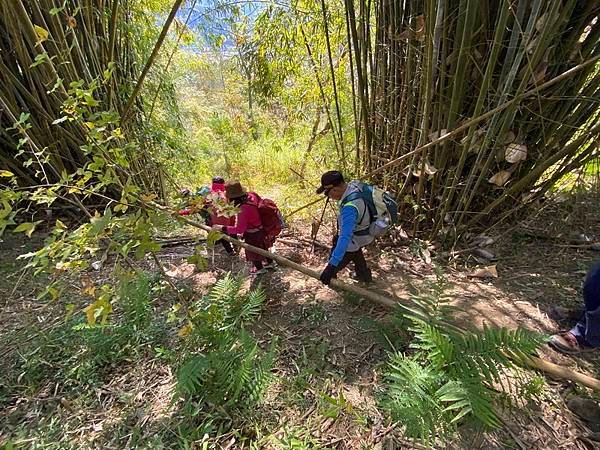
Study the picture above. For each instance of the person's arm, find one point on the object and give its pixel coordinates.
(241, 222)
(348, 215)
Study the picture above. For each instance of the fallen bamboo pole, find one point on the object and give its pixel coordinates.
(393, 302)
(304, 207)
(563, 372)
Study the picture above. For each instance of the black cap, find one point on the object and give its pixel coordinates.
(218, 180)
(330, 179)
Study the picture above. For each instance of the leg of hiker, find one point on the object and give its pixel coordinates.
(585, 335)
(257, 239)
(363, 273)
(227, 246)
(587, 330)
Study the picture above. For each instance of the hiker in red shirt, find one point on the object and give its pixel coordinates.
(248, 224)
(206, 202)
(217, 188)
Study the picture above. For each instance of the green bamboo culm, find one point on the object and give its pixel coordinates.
(58, 58)
(443, 64)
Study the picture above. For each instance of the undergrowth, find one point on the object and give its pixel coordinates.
(79, 354)
(450, 376)
(224, 364)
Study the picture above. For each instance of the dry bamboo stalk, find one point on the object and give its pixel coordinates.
(457, 131)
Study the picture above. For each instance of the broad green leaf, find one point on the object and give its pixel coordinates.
(42, 34)
(6, 173)
(27, 227)
(39, 59)
(213, 237)
(101, 308)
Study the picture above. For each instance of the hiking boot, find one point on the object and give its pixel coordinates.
(271, 266)
(567, 343)
(363, 278)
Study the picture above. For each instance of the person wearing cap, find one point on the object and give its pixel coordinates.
(247, 224)
(585, 335)
(352, 220)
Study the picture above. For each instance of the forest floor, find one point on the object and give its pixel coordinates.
(331, 346)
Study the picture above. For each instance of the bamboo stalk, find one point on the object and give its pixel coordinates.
(457, 131)
(151, 59)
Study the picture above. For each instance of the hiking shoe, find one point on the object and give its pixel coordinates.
(254, 271)
(362, 279)
(567, 343)
(271, 266)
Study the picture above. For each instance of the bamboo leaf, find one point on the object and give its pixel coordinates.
(27, 227)
(42, 34)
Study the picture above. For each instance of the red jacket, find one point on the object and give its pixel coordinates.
(248, 218)
(215, 219)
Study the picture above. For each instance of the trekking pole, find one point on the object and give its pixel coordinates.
(316, 230)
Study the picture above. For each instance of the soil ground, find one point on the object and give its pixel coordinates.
(331, 344)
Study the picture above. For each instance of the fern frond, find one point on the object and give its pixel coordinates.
(411, 398)
(191, 375)
(431, 340)
(225, 290)
(246, 309)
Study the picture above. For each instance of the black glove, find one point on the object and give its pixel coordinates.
(327, 274)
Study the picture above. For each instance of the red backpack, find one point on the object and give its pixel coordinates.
(270, 218)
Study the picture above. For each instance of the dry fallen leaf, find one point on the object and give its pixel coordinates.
(437, 134)
(500, 178)
(485, 272)
(515, 153)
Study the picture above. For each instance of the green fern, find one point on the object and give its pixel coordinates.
(232, 371)
(454, 375)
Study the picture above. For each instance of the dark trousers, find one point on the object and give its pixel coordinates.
(587, 330)
(363, 273)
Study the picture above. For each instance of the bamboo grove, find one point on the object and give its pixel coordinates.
(66, 74)
(422, 69)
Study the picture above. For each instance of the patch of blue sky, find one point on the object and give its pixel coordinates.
(216, 20)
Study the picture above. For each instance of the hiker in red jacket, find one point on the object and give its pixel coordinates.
(206, 203)
(248, 224)
(217, 189)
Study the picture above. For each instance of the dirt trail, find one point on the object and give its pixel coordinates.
(331, 344)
